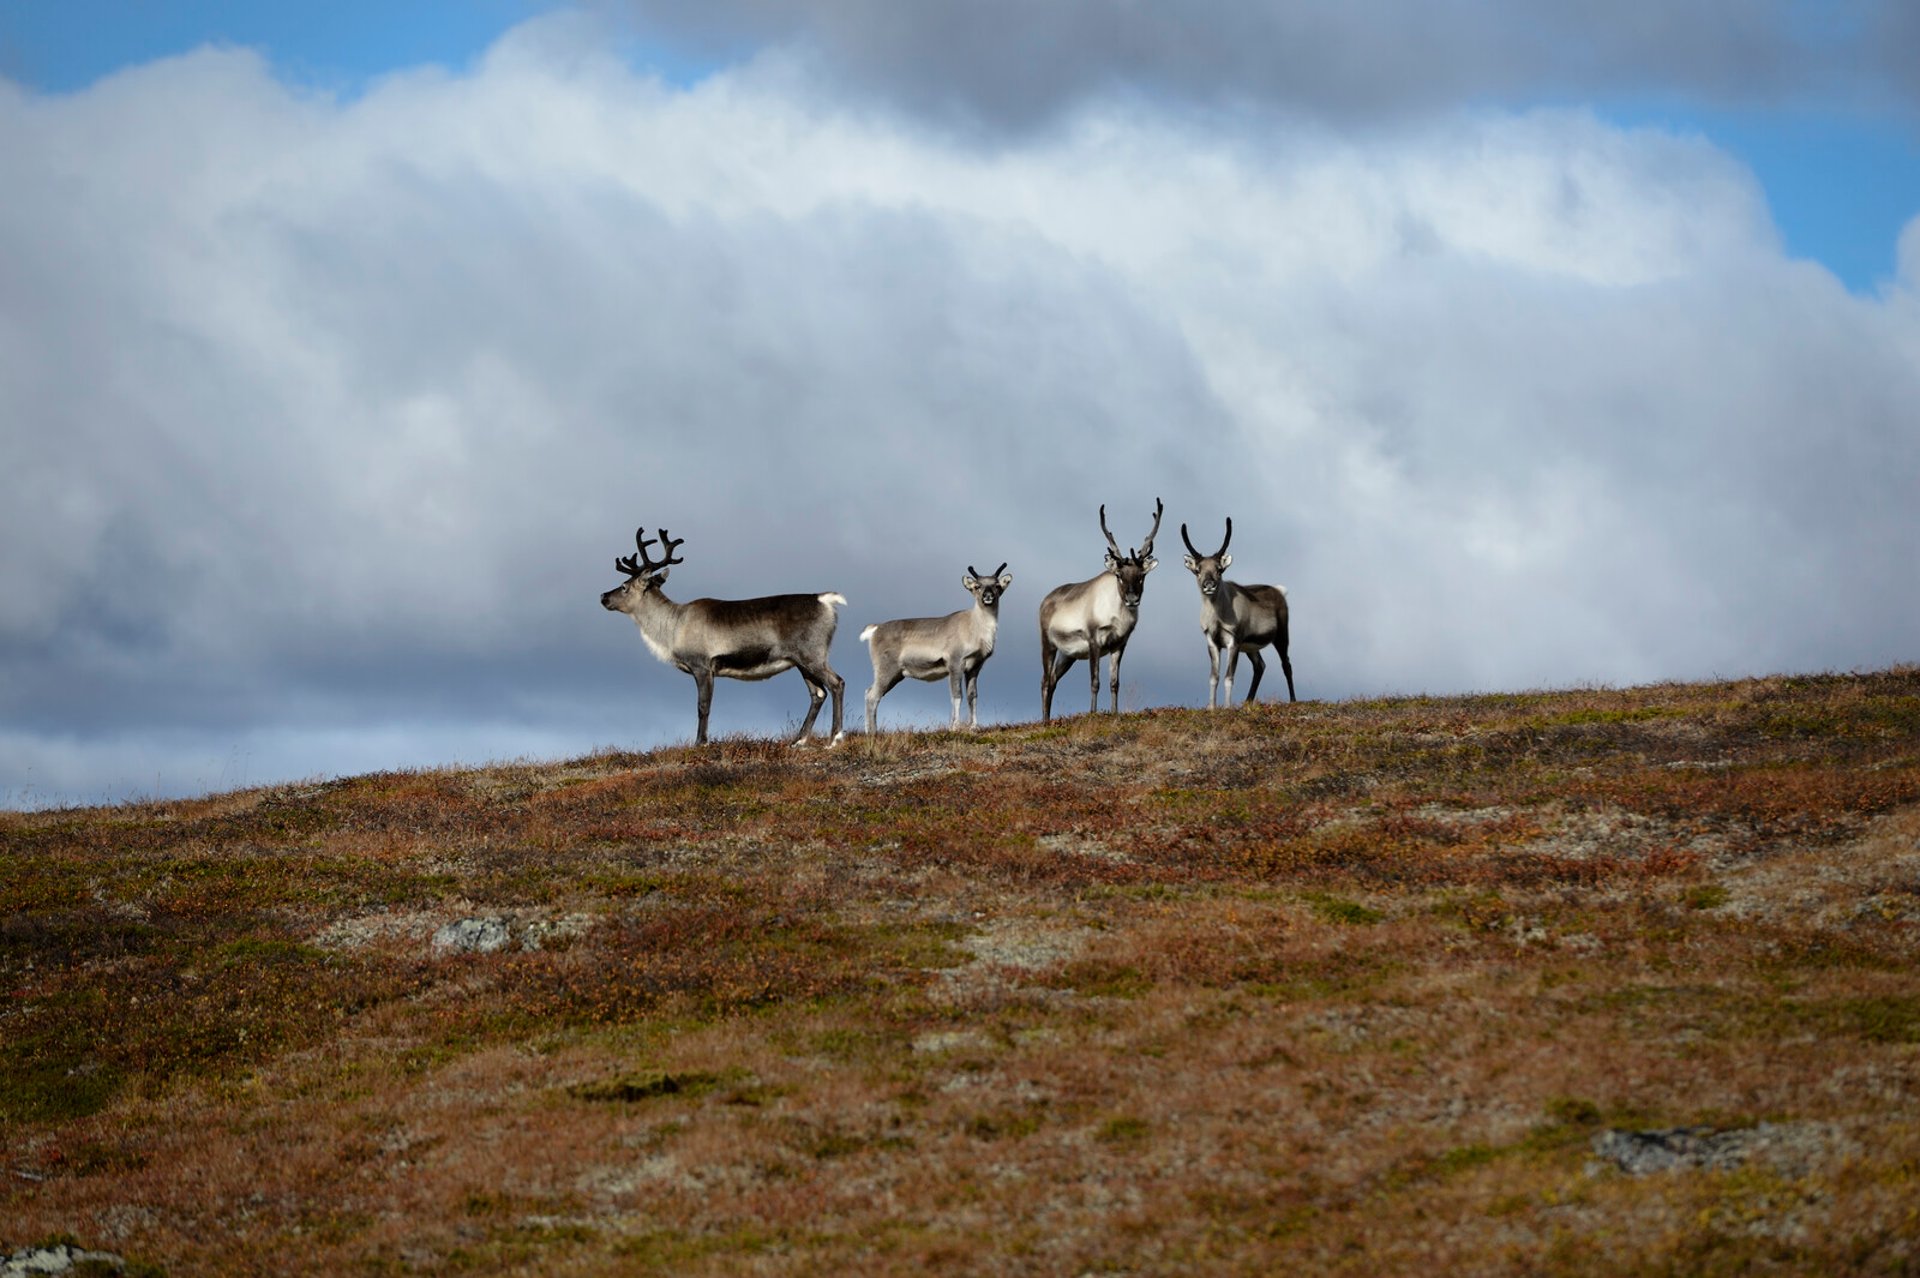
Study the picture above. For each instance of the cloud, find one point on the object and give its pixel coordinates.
(325, 418)
(997, 65)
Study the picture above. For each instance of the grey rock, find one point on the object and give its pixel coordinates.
(57, 1259)
(1790, 1147)
(473, 936)
(1669, 1149)
(550, 933)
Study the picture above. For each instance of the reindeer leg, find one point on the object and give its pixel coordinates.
(815, 695)
(1286, 667)
(1046, 677)
(1259, 668)
(838, 687)
(1093, 673)
(1114, 684)
(1213, 671)
(1054, 665)
(703, 687)
(881, 687)
(956, 687)
(973, 698)
(1233, 663)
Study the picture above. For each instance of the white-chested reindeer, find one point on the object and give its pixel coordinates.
(955, 645)
(734, 638)
(1237, 619)
(1091, 619)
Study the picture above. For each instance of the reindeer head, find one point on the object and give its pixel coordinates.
(1208, 568)
(1132, 568)
(643, 572)
(987, 589)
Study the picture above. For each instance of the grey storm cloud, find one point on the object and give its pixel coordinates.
(1015, 64)
(324, 419)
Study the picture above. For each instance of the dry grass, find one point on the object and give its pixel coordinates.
(1321, 988)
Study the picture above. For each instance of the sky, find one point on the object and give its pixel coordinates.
(342, 348)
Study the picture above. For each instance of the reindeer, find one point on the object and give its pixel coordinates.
(1237, 619)
(735, 638)
(955, 645)
(1093, 618)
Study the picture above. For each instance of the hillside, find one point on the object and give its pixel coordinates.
(1571, 982)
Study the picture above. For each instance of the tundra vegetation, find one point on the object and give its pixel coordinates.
(1372, 987)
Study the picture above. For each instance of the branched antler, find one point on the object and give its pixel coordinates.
(641, 564)
(1146, 547)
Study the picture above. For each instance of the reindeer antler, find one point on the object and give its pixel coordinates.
(641, 564)
(1146, 547)
(1194, 550)
(1104, 529)
(628, 564)
(668, 543)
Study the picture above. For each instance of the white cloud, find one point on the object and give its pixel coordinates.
(329, 416)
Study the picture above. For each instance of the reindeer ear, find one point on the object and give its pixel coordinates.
(1113, 561)
(1006, 579)
(970, 582)
(660, 578)
(1193, 565)
(1226, 562)
(1149, 564)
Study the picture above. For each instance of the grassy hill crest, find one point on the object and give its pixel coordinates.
(1357, 987)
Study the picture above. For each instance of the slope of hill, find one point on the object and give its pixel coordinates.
(1573, 982)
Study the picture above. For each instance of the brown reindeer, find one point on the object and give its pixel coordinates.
(1236, 619)
(732, 638)
(1093, 618)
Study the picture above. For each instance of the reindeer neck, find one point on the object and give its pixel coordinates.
(1221, 601)
(658, 618)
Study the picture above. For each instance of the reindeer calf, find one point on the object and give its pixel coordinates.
(926, 648)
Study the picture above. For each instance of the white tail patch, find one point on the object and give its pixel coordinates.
(866, 636)
(834, 599)
(1281, 589)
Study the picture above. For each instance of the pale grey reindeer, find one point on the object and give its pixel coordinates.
(1236, 619)
(955, 645)
(1092, 619)
(733, 638)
